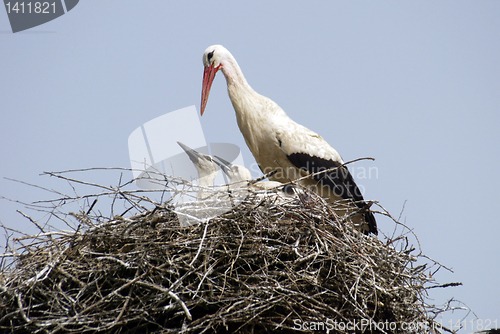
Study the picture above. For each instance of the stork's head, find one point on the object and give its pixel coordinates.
(204, 164)
(213, 60)
(235, 173)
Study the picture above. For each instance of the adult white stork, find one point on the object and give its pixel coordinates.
(277, 142)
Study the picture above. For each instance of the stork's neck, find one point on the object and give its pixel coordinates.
(252, 109)
(235, 79)
(206, 180)
(245, 100)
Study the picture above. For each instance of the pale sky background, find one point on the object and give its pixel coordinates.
(414, 84)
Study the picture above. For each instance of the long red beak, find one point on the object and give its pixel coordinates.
(208, 78)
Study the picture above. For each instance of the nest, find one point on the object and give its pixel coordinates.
(264, 266)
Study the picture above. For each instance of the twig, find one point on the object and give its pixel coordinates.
(201, 243)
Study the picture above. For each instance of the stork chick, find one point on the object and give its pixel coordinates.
(206, 167)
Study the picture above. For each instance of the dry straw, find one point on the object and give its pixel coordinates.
(266, 265)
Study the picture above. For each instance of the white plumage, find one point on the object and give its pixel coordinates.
(206, 167)
(278, 143)
(239, 177)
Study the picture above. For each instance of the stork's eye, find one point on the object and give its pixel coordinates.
(210, 55)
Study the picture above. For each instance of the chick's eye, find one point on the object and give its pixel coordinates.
(210, 55)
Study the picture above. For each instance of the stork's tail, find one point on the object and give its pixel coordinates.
(370, 220)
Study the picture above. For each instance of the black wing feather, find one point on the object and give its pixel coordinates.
(339, 179)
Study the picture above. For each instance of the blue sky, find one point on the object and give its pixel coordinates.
(414, 85)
